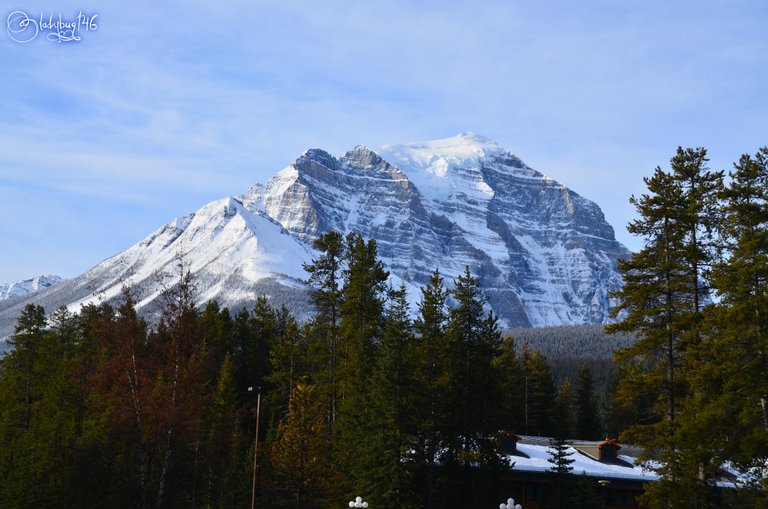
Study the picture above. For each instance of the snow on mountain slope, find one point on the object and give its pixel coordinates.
(228, 249)
(543, 254)
(27, 286)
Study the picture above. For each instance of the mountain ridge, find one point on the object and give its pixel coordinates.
(24, 287)
(543, 254)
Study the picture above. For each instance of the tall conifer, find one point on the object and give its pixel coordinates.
(661, 301)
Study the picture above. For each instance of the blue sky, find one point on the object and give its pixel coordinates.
(164, 108)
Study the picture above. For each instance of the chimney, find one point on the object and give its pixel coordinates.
(508, 443)
(607, 451)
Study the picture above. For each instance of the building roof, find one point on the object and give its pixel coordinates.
(533, 455)
(533, 452)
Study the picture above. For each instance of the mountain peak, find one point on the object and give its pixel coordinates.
(362, 156)
(542, 254)
(439, 156)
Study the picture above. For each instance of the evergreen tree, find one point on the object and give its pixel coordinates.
(40, 416)
(730, 370)
(588, 425)
(254, 333)
(474, 342)
(360, 330)
(564, 417)
(471, 422)
(217, 326)
(301, 453)
(511, 376)
(289, 361)
(224, 479)
(429, 381)
(661, 301)
(540, 394)
(560, 471)
(325, 278)
(560, 457)
(392, 409)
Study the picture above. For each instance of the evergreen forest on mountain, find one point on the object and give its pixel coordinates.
(210, 407)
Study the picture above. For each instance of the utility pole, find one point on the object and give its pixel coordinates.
(256, 445)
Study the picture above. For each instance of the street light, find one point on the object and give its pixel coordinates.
(256, 445)
(510, 504)
(358, 502)
(603, 483)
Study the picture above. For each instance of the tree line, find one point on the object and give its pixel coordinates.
(406, 407)
(693, 389)
(101, 409)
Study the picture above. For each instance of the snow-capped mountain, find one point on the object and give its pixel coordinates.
(543, 254)
(27, 286)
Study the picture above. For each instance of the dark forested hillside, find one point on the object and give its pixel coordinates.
(570, 348)
(572, 341)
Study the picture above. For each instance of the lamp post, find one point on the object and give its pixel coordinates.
(256, 445)
(603, 483)
(358, 502)
(510, 504)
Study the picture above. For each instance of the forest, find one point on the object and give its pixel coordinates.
(210, 407)
(101, 409)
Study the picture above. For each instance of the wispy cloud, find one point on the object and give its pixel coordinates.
(167, 106)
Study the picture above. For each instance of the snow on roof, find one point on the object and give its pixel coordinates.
(534, 458)
(533, 454)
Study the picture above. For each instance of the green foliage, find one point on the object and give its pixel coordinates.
(102, 409)
(698, 370)
(323, 331)
(588, 425)
(539, 395)
(300, 455)
(430, 380)
(512, 386)
(392, 409)
(560, 457)
(360, 332)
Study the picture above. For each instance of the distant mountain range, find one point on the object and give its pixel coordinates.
(27, 286)
(543, 254)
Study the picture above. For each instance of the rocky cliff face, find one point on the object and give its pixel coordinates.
(544, 255)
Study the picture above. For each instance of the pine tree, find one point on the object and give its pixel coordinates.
(254, 333)
(730, 367)
(301, 453)
(540, 394)
(392, 408)
(588, 425)
(511, 377)
(471, 419)
(560, 471)
(470, 369)
(360, 330)
(325, 278)
(429, 381)
(40, 414)
(288, 360)
(224, 480)
(661, 302)
(217, 326)
(564, 417)
(560, 457)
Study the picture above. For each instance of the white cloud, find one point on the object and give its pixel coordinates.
(183, 102)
